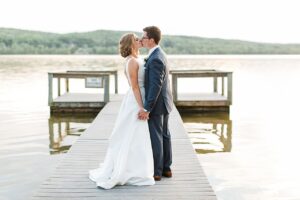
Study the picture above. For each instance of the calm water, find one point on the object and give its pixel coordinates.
(253, 153)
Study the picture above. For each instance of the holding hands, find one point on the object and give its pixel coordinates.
(143, 114)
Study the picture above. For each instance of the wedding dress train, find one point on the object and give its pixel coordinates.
(129, 158)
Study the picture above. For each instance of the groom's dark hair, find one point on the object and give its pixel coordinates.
(153, 32)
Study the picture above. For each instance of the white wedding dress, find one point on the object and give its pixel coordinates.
(129, 158)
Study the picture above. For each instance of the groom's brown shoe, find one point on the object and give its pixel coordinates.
(167, 174)
(157, 178)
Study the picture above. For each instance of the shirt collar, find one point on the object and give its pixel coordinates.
(152, 49)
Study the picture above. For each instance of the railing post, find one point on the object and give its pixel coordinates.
(50, 95)
(106, 88)
(222, 85)
(215, 84)
(67, 84)
(116, 82)
(174, 87)
(58, 86)
(229, 87)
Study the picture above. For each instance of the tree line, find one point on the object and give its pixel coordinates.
(15, 41)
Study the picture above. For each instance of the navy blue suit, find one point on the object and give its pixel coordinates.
(159, 102)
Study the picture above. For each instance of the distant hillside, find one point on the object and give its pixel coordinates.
(14, 41)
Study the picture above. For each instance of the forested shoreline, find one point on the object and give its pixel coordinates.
(15, 41)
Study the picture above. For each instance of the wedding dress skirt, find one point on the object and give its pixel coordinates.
(129, 158)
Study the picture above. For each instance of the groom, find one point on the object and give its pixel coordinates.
(158, 102)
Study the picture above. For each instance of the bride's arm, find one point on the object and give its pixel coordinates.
(133, 69)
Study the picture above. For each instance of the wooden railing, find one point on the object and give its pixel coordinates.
(215, 74)
(80, 75)
(111, 72)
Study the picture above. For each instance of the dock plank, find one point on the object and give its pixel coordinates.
(70, 179)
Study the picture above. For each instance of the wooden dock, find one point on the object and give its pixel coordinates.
(70, 179)
(219, 99)
(80, 102)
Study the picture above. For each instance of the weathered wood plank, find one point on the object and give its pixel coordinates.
(70, 180)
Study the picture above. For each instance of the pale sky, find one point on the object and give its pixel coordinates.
(253, 20)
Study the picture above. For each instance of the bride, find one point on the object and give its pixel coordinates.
(129, 158)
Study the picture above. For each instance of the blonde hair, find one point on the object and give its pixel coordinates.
(125, 44)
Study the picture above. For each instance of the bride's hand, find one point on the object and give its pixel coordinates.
(143, 115)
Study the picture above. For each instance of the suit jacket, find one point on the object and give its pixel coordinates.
(158, 95)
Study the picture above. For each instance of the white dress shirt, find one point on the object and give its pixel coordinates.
(152, 49)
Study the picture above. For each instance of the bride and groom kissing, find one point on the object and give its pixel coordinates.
(139, 150)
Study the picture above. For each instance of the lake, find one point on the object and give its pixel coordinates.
(251, 153)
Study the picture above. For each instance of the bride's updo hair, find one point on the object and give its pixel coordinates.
(125, 44)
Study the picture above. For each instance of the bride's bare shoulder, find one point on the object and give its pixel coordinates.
(133, 63)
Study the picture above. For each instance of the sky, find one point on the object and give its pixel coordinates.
(273, 21)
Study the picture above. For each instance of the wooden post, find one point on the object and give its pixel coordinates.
(222, 86)
(228, 137)
(215, 128)
(229, 88)
(106, 88)
(58, 86)
(59, 131)
(51, 133)
(222, 132)
(67, 128)
(174, 87)
(116, 82)
(67, 85)
(50, 95)
(215, 84)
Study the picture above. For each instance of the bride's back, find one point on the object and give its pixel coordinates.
(141, 71)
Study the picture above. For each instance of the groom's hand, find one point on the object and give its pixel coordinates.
(143, 115)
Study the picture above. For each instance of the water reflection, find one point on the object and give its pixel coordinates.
(64, 130)
(209, 132)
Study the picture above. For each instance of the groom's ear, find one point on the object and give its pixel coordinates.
(152, 41)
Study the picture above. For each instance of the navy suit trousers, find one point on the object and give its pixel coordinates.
(161, 142)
